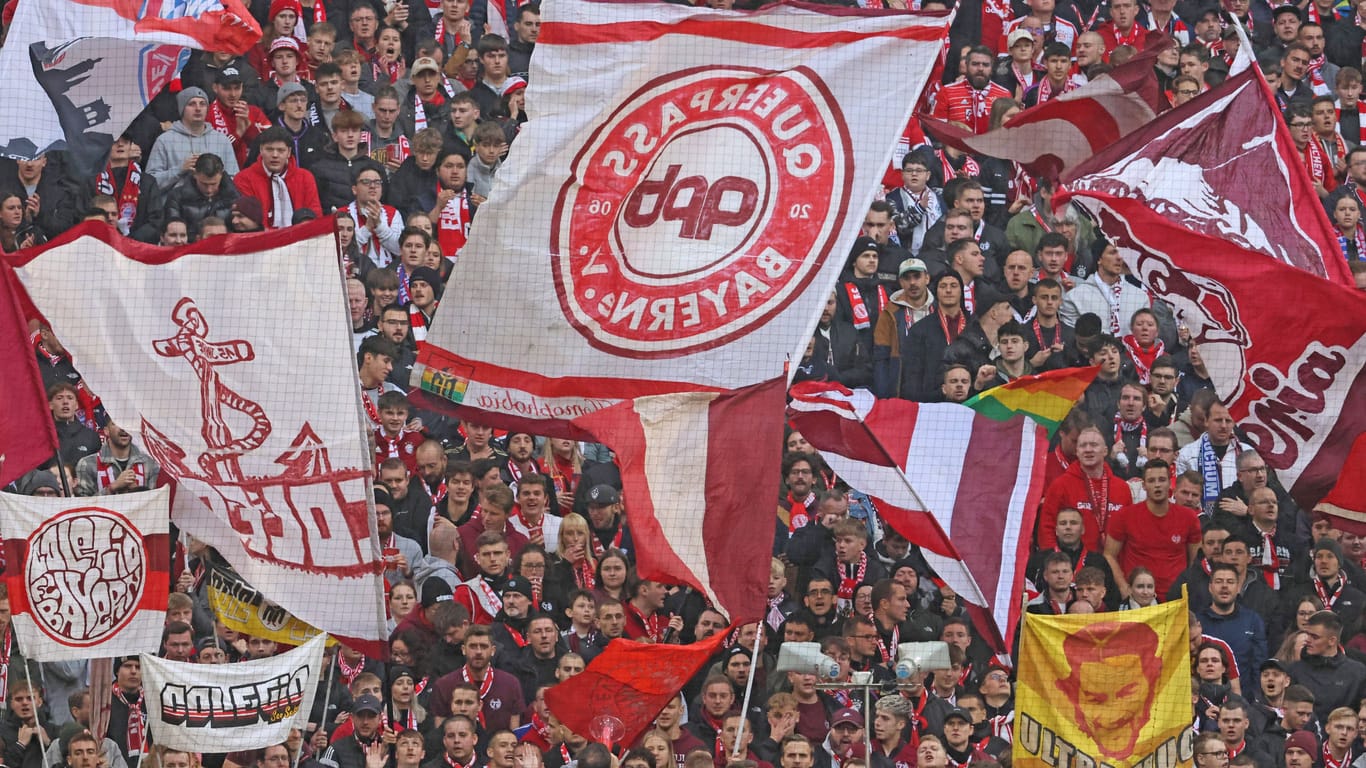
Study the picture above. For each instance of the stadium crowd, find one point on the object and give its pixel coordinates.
(510, 562)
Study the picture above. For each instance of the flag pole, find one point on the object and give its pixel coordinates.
(749, 687)
(327, 702)
(43, 741)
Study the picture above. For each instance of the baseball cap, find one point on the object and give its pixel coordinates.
(435, 591)
(847, 716)
(911, 265)
(1017, 36)
(603, 495)
(284, 43)
(959, 713)
(1273, 664)
(230, 75)
(367, 703)
(424, 64)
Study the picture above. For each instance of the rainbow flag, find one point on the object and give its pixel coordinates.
(1044, 397)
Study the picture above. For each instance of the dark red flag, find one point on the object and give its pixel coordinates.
(1346, 503)
(1193, 165)
(1300, 398)
(630, 681)
(693, 465)
(27, 435)
(1058, 134)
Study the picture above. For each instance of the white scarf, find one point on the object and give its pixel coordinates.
(282, 206)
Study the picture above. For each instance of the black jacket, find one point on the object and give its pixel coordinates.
(922, 360)
(334, 173)
(1336, 681)
(185, 201)
(62, 199)
(16, 756)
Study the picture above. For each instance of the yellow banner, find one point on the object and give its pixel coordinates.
(1107, 689)
(242, 608)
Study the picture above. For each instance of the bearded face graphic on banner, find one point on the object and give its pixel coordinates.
(1112, 666)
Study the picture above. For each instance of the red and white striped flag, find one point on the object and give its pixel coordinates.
(689, 463)
(1062, 132)
(975, 479)
(498, 18)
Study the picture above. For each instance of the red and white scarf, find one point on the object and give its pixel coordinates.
(1316, 81)
(598, 548)
(1328, 761)
(370, 409)
(417, 322)
(1140, 426)
(970, 166)
(1329, 599)
(348, 671)
(106, 474)
(218, 119)
(127, 197)
(453, 228)
(4, 661)
(1143, 358)
(1361, 117)
(862, 320)
(849, 581)
(653, 624)
(137, 722)
(1046, 89)
(1271, 561)
(420, 111)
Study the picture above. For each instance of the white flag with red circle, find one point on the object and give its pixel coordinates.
(681, 202)
(87, 576)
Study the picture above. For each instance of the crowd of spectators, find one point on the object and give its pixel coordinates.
(509, 558)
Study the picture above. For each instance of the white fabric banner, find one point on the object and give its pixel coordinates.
(237, 373)
(79, 71)
(676, 212)
(88, 576)
(206, 708)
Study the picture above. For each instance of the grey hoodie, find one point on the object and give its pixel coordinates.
(434, 567)
(178, 143)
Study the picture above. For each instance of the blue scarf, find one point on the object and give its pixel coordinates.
(1210, 471)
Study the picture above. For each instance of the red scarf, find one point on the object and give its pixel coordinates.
(106, 474)
(862, 320)
(420, 111)
(1100, 506)
(127, 196)
(370, 409)
(795, 518)
(848, 583)
(1328, 761)
(453, 229)
(1320, 163)
(1143, 358)
(563, 475)
(654, 625)
(218, 118)
(951, 333)
(583, 574)
(1316, 81)
(598, 548)
(887, 650)
(348, 672)
(1038, 334)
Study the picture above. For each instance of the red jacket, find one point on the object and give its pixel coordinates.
(1073, 491)
(254, 181)
(960, 102)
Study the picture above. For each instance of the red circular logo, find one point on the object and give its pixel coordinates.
(700, 208)
(85, 574)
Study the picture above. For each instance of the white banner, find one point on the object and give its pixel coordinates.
(88, 576)
(675, 213)
(237, 373)
(206, 708)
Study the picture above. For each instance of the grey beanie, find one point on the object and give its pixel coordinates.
(183, 98)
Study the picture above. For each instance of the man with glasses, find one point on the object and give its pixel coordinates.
(1210, 751)
(915, 207)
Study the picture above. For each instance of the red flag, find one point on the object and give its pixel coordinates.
(1300, 398)
(27, 435)
(1058, 134)
(976, 478)
(705, 456)
(1346, 503)
(1192, 165)
(629, 681)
